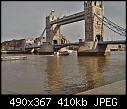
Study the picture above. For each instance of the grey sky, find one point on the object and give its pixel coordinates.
(23, 19)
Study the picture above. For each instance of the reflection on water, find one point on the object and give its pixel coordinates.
(92, 71)
(61, 75)
(53, 75)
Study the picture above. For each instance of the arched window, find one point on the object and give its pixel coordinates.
(90, 3)
(99, 37)
(100, 4)
(54, 41)
(85, 3)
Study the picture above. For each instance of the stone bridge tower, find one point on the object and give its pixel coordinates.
(93, 26)
(52, 31)
(94, 30)
(52, 35)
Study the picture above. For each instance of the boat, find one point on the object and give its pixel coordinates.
(9, 58)
(70, 51)
(63, 53)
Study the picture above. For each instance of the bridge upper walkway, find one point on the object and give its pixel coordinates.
(69, 19)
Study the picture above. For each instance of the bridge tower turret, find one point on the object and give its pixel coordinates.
(93, 27)
(52, 31)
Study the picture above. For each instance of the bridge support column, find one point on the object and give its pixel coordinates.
(46, 49)
(52, 35)
(93, 49)
(93, 29)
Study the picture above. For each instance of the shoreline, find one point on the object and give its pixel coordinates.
(116, 88)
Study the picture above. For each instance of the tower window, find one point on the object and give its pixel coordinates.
(85, 5)
(101, 4)
(54, 41)
(95, 3)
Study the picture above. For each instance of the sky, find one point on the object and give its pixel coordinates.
(25, 19)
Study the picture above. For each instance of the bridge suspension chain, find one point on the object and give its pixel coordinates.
(112, 26)
(115, 25)
(42, 33)
(118, 29)
(41, 36)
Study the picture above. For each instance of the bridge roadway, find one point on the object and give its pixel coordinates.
(112, 42)
(69, 19)
(64, 45)
(55, 46)
(69, 44)
(99, 43)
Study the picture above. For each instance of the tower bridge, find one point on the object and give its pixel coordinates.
(94, 18)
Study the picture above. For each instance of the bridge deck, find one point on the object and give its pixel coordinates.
(113, 42)
(69, 19)
(69, 44)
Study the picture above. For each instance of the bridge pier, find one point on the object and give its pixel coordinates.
(93, 49)
(46, 49)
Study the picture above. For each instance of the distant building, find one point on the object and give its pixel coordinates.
(39, 40)
(117, 47)
(13, 45)
(20, 44)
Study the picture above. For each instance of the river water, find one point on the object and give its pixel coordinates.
(71, 74)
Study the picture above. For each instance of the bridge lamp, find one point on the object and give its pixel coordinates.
(52, 11)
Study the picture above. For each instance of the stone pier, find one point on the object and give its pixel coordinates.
(46, 49)
(93, 49)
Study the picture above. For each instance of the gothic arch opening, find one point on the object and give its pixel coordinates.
(55, 42)
(99, 37)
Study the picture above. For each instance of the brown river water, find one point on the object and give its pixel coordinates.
(71, 74)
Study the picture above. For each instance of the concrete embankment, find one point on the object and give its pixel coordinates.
(116, 88)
